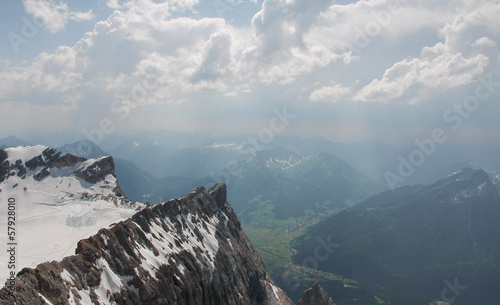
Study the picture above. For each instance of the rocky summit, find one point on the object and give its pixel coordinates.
(191, 250)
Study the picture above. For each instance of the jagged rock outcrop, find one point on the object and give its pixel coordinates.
(98, 170)
(316, 295)
(191, 250)
(48, 159)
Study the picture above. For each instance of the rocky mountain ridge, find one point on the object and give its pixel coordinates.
(186, 251)
(410, 239)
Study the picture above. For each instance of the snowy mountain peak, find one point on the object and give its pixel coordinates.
(19, 166)
(61, 199)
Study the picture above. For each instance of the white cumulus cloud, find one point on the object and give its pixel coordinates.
(55, 15)
(415, 76)
(333, 93)
(484, 42)
(453, 63)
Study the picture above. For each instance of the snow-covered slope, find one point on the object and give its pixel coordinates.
(59, 200)
(191, 250)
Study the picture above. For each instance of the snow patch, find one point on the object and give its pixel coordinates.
(24, 153)
(67, 276)
(45, 299)
(110, 282)
(86, 164)
(473, 192)
(283, 164)
(228, 146)
(85, 297)
(275, 290)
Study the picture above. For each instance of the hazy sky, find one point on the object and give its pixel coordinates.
(377, 70)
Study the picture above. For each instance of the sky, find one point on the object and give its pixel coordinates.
(378, 70)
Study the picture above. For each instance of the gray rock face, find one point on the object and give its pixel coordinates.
(191, 250)
(316, 296)
(98, 171)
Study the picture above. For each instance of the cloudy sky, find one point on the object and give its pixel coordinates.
(377, 70)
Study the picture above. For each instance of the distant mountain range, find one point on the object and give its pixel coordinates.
(279, 179)
(85, 149)
(282, 184)
(12, 141)
(167, 153)
(410, 240)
